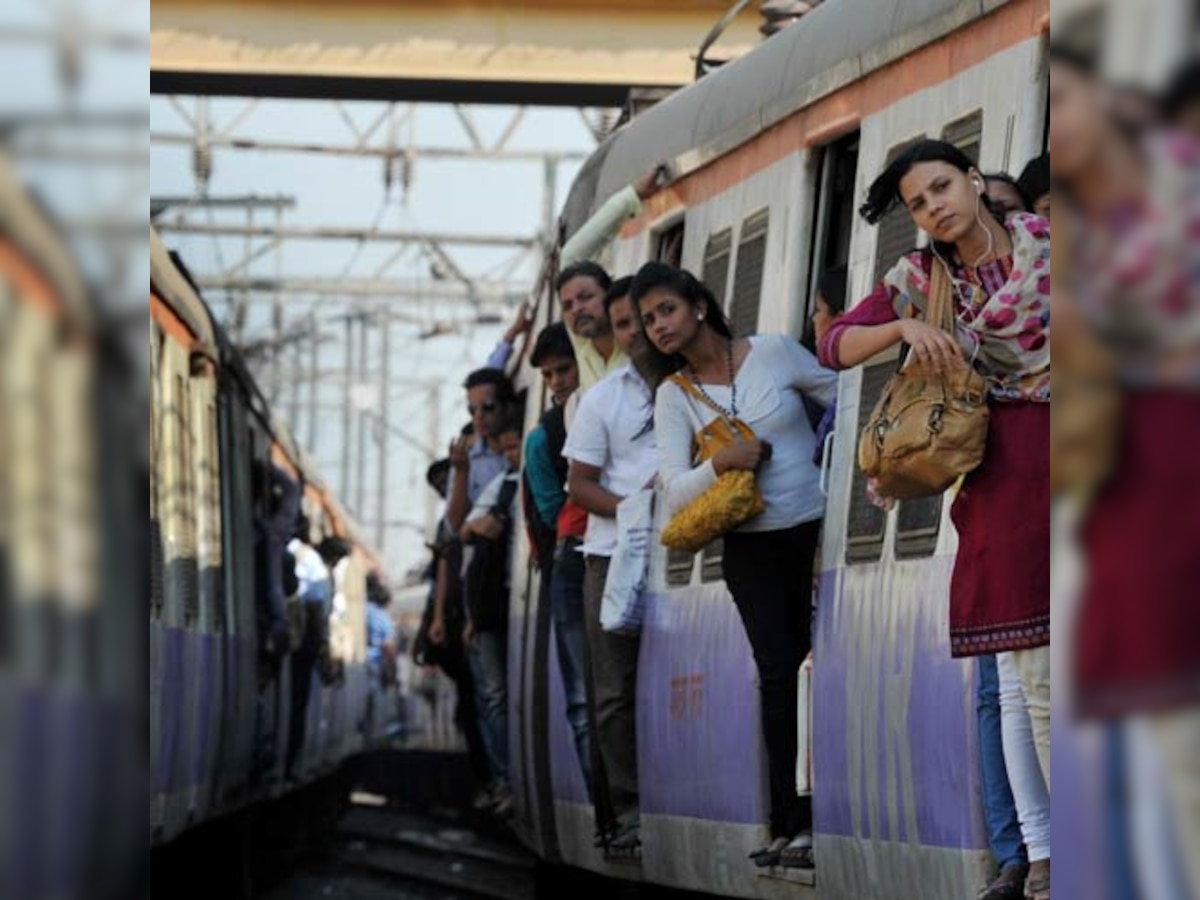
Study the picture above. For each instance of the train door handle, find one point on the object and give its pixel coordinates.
(826, 456)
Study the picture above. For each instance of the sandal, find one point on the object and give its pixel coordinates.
(1008, 885)
(628, 835)
(769, 855)
(799, 853)
(1037, 884)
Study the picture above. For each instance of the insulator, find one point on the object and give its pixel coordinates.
(202, 162)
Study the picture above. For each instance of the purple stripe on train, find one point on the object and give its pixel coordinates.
(698, 710)
(208, 646)
(173, 679)
(884, 683)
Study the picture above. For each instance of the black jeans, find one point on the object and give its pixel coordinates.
(770, 577)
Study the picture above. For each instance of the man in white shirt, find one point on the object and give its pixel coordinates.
(612, 451)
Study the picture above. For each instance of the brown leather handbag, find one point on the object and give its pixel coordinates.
(928, 428)
(733, 499)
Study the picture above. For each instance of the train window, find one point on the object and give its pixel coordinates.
(710, 562)
(679, 568)
(917, 524)
(833, 218)
(748, 274)
(966, 134)
(716, 263)
(669, 247)
(897, 231)
(865, 522)
(835, 213)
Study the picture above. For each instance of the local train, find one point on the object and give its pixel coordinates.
(218, 724)
(770, 157)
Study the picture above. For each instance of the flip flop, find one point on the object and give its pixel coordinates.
(769, 856)
(798, 854)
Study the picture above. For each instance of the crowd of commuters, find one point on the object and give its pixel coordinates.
(620, 421)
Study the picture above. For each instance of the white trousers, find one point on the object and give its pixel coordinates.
(1031, 792)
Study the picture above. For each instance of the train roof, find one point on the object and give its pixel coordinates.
(175, 289)
(25, 223)
(836, 44)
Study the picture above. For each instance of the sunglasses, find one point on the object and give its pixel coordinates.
(488, 407)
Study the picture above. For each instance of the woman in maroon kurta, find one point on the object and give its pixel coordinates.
(1000, 271)
(1000, 591)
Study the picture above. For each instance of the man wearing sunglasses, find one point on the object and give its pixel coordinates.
(478, 459)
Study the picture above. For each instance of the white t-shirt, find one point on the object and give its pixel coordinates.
(614, 431)
(770, 385)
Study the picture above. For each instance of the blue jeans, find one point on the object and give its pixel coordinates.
(489, 668)
(566, 611)
(1004, 829)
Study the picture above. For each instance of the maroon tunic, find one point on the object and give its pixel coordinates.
(1000, 590)
(1138, 633)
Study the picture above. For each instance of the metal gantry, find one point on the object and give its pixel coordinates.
(335, 335)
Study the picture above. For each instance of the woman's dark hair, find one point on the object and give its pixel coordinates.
(1005, 178)
(1034, 180)
(683, 283)
(1183, 92)
(553, 342)
(884, 193)
(832, 286)
(619, 288)
(1082, 62)
(504, 387)
(584, 269)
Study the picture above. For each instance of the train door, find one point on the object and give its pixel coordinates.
(210, 599)
(241, 448)
(833, 218)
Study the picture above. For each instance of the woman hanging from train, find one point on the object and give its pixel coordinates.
(1000, 281)
(761, 380)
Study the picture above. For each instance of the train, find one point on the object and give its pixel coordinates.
(770, 156)
(218, 722)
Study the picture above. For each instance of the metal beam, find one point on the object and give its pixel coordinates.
(158, 205)
(361, 287)
(362, 150)
(297, 232)
(562, 52)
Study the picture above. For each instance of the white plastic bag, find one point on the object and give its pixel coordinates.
(624, 604)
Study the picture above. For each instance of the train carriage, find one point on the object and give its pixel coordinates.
(770, 156)
(218, 723)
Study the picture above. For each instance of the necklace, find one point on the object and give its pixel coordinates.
(729, 413)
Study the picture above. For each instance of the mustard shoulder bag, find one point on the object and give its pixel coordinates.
(928, 428)
(735, 496)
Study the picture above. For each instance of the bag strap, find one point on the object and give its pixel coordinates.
(939, 308)
(939, 311)
(696, 394)
(508, 490)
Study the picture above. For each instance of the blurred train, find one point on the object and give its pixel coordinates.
(771, 156)
(218, 722)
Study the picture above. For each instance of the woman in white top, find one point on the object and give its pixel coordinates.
(760, 380)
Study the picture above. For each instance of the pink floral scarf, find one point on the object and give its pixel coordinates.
(1007, 331)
